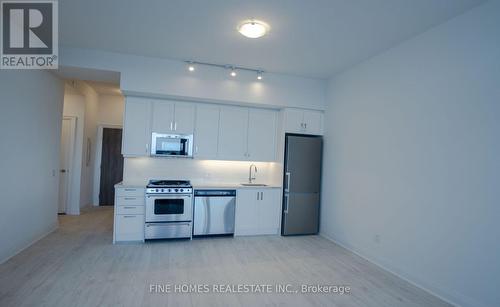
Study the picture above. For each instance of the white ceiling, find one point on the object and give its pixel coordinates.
(315, 38)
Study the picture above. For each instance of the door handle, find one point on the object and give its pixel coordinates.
(126, 207)
(147, 148)
(285, 209)
(63, 171)
(171, 126)
(175, 126)
(258, 195)
(287, 177)
(261, 195)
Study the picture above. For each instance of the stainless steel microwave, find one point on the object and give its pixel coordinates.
(172, 145)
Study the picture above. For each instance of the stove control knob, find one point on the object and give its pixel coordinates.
(170, 190)
(156, 190)
(163, 190)
(182, 190)
(176, 190)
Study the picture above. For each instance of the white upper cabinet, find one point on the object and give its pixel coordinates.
(294, 120)
(233, 127)
(261, 135)
(206, 131)
(247, 134)
(219, 131)
(136, 127)
(184, 118)
(163, 117)
(313, 122)
(303, 121)
(173, 117)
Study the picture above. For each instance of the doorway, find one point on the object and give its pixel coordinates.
(111, 169)
(66, 157)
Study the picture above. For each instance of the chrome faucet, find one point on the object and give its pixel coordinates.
(250, 178)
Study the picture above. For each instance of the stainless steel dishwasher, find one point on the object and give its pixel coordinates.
(214, 212)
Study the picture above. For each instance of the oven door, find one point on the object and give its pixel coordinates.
(169, 208)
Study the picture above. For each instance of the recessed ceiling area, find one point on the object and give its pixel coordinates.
(308, 38)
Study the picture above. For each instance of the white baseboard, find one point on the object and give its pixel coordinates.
(46, 233)
(385, 268)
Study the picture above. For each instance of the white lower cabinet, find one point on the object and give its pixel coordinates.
(258, 211)
(129, 214)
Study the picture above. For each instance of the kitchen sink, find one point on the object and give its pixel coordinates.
(254, 185)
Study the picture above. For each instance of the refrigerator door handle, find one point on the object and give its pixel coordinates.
(287, 187)
(285, 210)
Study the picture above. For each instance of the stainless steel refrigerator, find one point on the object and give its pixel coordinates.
(302, 183)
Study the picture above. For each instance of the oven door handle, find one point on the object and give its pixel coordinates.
(169, 196)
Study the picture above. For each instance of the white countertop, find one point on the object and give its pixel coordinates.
(226, 185)
(202, 185)
(131, 185)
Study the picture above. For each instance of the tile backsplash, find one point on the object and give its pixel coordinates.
(140, 170)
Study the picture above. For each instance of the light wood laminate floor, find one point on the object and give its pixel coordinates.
(78, 266)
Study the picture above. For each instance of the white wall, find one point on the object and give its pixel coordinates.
(412, 154)
(30, 123)
(140, 170)
(74, 105)
(89, 135)
(110, 110)
(170, 79)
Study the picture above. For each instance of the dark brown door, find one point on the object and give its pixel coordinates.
(111, 165)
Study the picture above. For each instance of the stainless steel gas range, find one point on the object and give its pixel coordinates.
(169, 209)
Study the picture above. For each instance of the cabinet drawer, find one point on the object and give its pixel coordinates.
(130, 201)
(129, 227)
(124, 192)
(130, 210)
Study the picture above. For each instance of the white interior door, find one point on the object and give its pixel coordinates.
(66, 153)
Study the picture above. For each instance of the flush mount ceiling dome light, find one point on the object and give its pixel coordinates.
(253, 28)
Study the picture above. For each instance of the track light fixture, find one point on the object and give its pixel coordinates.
(233, 69)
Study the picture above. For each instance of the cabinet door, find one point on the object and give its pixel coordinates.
(294, 120)
(136, 128)
(269, 208)
(129, 228)
(233, 129)
(206, 131)
(184, 118)
(246, 215)
(313, 121)
(261, 135)
(163, 116)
